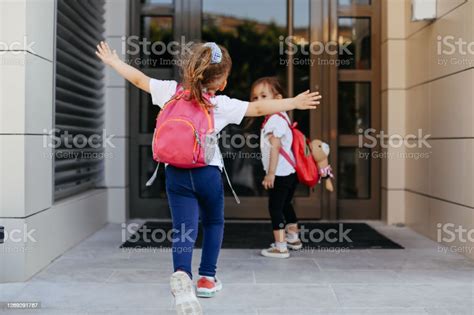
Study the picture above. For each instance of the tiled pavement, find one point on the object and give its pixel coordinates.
(96, 277)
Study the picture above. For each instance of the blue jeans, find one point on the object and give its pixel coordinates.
(194, 193)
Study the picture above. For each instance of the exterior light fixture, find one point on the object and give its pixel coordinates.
(423, 10)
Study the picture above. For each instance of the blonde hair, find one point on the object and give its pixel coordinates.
(200, 74)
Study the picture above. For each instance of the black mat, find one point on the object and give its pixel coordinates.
(259, 235)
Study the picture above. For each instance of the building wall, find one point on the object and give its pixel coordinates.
(393, 96)
(26, 164)
(116, 121)
(420, 92)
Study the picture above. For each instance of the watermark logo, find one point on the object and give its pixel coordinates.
(239, 141)
(135, 232)
(339, 235)
(152, 53)
(65, 139)
(370, 139)
(450, 48)
(307, 54)
(134, 45)
(451, 233)
(289, 47)
(24, 235)
(17, 47)
(12, 53)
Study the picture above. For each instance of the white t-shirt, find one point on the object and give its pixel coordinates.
(226, 110)
(277, 126)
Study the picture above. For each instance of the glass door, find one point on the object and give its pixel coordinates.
(258, 34)
(355, 107)
(254, 32)
(154, 25)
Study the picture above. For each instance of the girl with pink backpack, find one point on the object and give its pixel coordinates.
(186, 140)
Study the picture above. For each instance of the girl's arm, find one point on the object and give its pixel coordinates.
(131, 74)
(269, 180)
(305, 100)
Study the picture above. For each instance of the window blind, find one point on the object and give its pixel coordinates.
(79, 114)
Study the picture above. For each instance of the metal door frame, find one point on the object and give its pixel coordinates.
(367, 209)
(186, 22)
(323, 27)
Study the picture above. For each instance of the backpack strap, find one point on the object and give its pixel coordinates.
(287, 157)
(267, 118)
(282, 151)
(152, 179)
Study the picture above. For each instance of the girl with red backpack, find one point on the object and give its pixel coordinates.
(192, 114)
(278, 161)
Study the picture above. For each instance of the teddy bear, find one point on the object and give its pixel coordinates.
(320, 152)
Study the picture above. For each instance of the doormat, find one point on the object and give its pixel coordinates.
(314, 236)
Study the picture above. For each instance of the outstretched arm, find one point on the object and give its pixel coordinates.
(131, 74)
(305, 100)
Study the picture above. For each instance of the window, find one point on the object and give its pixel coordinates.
(79, 116)
(251, 32)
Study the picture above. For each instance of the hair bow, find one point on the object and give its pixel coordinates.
(216, 52)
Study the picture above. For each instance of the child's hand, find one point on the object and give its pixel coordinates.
(307, 100)
(106, 54)
(268, 181)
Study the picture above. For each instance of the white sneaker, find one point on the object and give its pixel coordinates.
(294, 245)
(182, 288)
(274, 252)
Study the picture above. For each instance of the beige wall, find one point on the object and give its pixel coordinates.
(420, 92)
(26, 166)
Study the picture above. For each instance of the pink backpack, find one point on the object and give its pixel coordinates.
(185, 136)
(184, 133)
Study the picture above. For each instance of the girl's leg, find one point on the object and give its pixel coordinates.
(293, 241)
(288, 210)
(211, 203)
(185, 215)
(276, 202)
(277, 198)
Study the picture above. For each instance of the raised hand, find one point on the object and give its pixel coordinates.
(105, 54)
(307, 100)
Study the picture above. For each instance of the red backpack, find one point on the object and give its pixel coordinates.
(304, 164)
(183, 131)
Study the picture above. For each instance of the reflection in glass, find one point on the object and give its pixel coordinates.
(354, 34)
(251, 31)
(353, 2)
(301, 39)
(158, 2)
(159, 31)
(354, 107)
(148, 113)
(302, 66)
(353, 178)
(147, 167)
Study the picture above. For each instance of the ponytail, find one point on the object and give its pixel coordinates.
(200, 73)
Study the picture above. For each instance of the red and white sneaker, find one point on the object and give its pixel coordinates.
(182, 288)
(208, 286)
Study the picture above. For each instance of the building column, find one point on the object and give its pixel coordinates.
(37, 228)
(26, 114)
(393, 94)
(116, 121)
